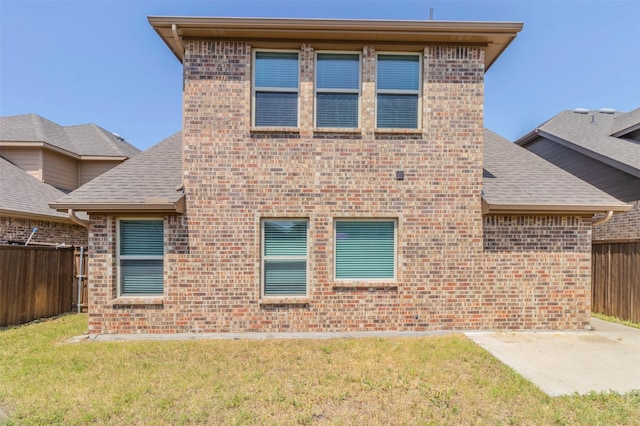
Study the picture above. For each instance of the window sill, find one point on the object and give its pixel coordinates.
(141, 300)
(397, 131)
(267, 129)
(337, 130)
(368, 285)
(284, 301)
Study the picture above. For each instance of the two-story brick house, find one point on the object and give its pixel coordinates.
(332, 179)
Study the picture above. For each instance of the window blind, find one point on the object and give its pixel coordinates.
(365, 249)
(398, 86)
(285, 257)
(337, 90)
(141, 257)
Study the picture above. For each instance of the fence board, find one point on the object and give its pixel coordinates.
(35, 282)
(615, 282)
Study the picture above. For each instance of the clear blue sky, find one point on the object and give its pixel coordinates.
(91, 61)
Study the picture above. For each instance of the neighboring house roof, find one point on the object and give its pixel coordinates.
(88, 140)
(516, 180)
(590, 133)
(149, 182)
(93, 140)
(626, 123)
(24, 196)
(346, 33)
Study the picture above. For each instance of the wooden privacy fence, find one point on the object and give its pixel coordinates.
(615, 279)
(36, 282)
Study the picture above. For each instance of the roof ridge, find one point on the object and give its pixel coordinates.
(38, 128)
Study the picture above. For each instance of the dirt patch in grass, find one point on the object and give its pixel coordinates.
(429, 380)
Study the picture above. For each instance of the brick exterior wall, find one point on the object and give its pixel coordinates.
(538, 271)
(454, 271)
(12, 229)
(622, 226)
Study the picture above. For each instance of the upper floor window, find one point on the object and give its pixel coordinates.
(337, 89)
(398, 91)
(275, 89)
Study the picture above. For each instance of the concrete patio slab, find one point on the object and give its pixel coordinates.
(606, 358)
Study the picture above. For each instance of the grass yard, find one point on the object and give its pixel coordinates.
(431, 380)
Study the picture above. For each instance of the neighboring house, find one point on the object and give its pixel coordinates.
(329, 177)
(56, 160)
(24, 205)
(602, 148)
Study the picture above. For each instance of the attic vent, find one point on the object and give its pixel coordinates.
(445, 52)
(581, 110)
(607, 110)
(118, 136)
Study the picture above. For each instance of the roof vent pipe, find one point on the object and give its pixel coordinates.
(581, 110)
(607, 110)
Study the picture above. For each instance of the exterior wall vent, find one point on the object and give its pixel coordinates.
(581, 110)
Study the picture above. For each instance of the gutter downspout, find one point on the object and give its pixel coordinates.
(604, 219)
(75, 219)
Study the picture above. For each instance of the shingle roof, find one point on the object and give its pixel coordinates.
(23, 195)
(590, 134)
(91, 139)
(515, 177)
(626, 121)
(153, 177)
(87, 139)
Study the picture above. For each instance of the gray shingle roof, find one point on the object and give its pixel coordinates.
(91, 139)
(87, 139)
(591, 133)
(515, 176)
(23, 194)
(626, 121)
(155, 174)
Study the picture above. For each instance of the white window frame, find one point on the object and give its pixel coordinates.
(137, 257)
(357, 91)
(255, 89)
(395, 249)
(264, 258)
(402, 92)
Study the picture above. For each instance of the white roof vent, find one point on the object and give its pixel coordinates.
(607, 110)
(581, 110)
(117, 136)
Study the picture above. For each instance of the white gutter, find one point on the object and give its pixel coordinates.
(76, 219)
(604, 219)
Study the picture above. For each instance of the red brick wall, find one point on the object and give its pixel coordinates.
(12, 229)
(538, 271)
(621, 226)
(234, 176)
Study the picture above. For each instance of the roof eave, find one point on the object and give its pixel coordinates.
(34, 216)
(528, 138)
(589, 153)
(558, 209)
(626, 130)
(495, 36)
(149, 206)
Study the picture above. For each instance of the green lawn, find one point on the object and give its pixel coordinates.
(430, 380)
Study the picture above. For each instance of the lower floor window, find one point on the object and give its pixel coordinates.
(140, 257)
(365, 249)
(284, 257)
